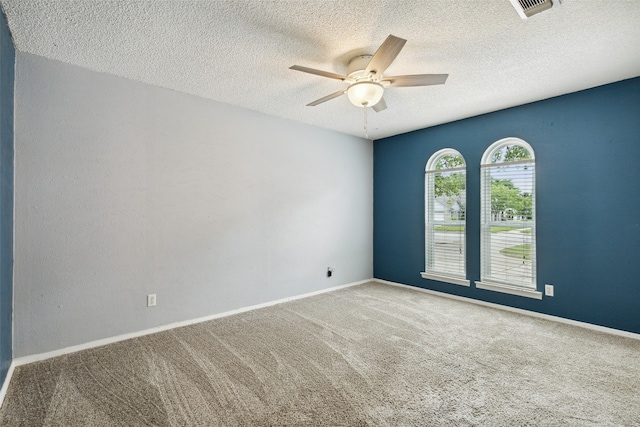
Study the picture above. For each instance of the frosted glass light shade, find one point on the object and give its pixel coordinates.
(365, 94)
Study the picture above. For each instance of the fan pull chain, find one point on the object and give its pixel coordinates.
(366, 133)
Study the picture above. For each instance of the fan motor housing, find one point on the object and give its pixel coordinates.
(357, 67)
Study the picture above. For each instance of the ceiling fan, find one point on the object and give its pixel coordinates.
(366, 80)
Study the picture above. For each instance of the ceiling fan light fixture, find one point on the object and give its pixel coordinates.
(365, 93)
(365, 76)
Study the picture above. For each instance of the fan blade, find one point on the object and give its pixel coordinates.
(381, 105)
(415, 80)
(385, 54)
(318, 72)
(326, 98)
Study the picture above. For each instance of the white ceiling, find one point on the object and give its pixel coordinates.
(239, 52)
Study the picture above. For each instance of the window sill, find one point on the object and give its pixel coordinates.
(447, 279)
(509, 289)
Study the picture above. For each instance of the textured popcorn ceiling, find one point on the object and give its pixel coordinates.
(238, 52)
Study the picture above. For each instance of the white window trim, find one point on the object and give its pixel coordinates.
(486, 157)
(447, 279)
(520, 290)
(509, 289)
(435, 275)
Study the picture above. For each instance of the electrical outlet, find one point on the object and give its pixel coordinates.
(151, 300)
(548, 290)
(329, 271)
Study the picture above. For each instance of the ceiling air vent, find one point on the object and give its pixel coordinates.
(528, 8)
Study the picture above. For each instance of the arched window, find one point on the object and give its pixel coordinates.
(508, 220)
(445, 215)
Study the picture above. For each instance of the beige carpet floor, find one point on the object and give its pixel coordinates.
(369, 355)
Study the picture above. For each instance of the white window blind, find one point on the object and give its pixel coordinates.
(445, 215)
(508, 228)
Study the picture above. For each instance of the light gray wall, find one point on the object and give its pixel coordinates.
(124, 189)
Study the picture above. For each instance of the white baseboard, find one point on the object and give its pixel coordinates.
(593, 327)
(98, 343)
(7, 380)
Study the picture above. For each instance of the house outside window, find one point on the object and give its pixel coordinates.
(445, 217)
(508, 225)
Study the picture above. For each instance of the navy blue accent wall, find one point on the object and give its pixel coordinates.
(587, 147)
(7, 67)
